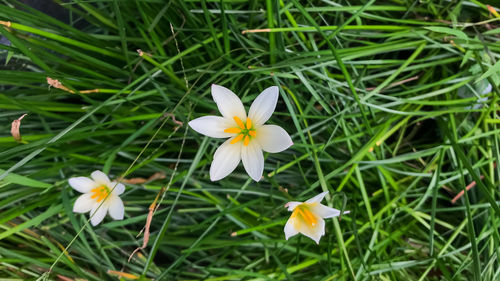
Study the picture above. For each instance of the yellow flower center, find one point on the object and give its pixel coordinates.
(99, 193)
(245, 131)
(303, 214)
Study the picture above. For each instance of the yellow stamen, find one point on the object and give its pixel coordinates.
(305, 214)
(237, 139)
(249, 123)
(239, 122)
(100, 193)
(232, 130)
(245, 131)
(309, 217)
(101, 197)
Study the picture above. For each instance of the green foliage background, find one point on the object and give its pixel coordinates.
(392, 106)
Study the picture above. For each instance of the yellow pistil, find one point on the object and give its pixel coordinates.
(245, 131)
(100, 193)
(305, 214)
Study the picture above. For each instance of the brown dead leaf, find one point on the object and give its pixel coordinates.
(64, 278)
(5, 23)
(152, 209)
(461, 193)
(155, 176)
(179, 123)
(14, 130)
(57, 84)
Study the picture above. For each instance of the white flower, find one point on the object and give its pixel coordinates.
(307, 217)
(248, 136)
(95, 191)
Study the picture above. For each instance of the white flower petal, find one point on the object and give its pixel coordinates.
(324, 211)
(98, 213)
(100, 178)
(119, 188)
(253, 159)
(116, 208)
(228, 103)
(226, 159)
(212, 126)
(314, 232)
(317, 198)
(273, 138)
(82, 184)
(290, 229)
(84, 203)
(263, 106)
(291, 205)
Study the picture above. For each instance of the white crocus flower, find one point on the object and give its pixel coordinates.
(248, 136)
(307, 217)
(95, 191)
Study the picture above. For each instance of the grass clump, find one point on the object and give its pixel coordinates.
(392, 107)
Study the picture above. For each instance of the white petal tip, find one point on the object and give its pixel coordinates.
(290, 235)
(317, 239)
(213, 178)
(318, 198)
(291, 205)
(218, 175)
(95, 222)
(72, 182)
(256, 179)
(285, 147)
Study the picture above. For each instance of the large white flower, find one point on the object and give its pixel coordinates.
(248, 136)
(307, 217)
(95, 191)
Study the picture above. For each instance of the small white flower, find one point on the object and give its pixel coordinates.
(307, 217)
(248, 136)
(95, 191)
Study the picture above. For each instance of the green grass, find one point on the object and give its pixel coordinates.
(392, 107)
